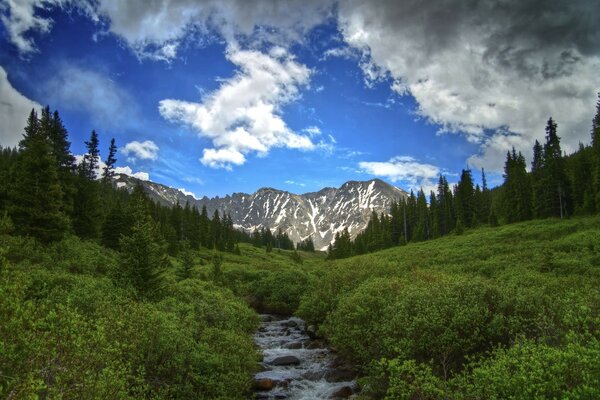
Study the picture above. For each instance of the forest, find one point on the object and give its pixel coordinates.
(557, 186)
(481, 293)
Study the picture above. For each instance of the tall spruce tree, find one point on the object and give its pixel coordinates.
(109, 169)
(86, 210)
(37, 198)
(465, 198)
(537, 180)
(91, 158)
(556, 186)
(516, 191)
(596, 154)
(143, 253)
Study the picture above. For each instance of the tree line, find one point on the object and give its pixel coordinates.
(557, 185)
(46, 194)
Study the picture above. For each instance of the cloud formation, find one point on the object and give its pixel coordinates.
(146, 150)
(404, 169)
(144, 176)
(93, 92)
(14, 110)
(492, 71)
(244, 115)
(126, 170)
(19, 17)
(481, 66)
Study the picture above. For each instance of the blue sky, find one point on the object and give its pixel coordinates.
(221, 97)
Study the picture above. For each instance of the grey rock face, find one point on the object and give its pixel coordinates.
(319, 215)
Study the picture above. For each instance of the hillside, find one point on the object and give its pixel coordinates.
(509, 312)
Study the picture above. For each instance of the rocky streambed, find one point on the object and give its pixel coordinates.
(296, 365)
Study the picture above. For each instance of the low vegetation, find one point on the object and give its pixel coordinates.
(495, 313)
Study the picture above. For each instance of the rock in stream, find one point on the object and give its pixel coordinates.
(294, 368)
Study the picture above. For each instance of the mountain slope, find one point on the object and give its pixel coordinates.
(319, 215)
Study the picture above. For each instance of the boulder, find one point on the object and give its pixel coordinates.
(290, 323)
(342, 393)
(339, 375)
(316, 344)
(266, 318)
(285, 360)
(293, 345)
(311, 331)
(265, 383)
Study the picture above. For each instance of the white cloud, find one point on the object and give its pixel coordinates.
(144, 176)
(188, 193)
(404, 169)
(291, 182)
(155, 29)
(19, 17)
(341, 52)
(109, 105)
(491, 65)
(193, 179)
(312, 131)
(146, 150)
(14, 110)
(222, 158)
(118, 170)
(243, 115)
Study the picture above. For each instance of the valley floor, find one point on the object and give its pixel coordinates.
(495, 313)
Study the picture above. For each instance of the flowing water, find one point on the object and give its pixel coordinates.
(307, 374)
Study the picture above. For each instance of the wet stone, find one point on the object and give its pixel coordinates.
(285, 360)
(342, 393)
(296, 364)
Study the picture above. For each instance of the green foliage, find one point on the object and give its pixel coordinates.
(143, 256)
(530, 370)
(417, 319)
(37, 197)
(78, 336)
(186, 262)
(216, 272)
(410, 380)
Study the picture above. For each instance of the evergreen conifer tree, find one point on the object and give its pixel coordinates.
(465, 202)
(186, 261)
(556, 186)
(516, 191)
(37, 198)
(108, 171)
(143, 255)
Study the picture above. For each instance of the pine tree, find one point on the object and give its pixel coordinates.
(422, 227)
(216, 271)
(90, 161)
(86, 209)
(516, 191)
(61, 149)
(556, 186)
(537, 180)
(116, 224)
(465, 202)
(37, 197)
(446, 217)
(186, 261)
(143, 255)
(596, 154)
(108, 171)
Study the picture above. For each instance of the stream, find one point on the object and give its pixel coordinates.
(296, 367)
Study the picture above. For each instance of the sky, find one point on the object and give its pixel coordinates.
(215, 97)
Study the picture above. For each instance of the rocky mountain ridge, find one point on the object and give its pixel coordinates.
(319, 215)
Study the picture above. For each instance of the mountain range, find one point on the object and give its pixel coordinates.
(319, 215)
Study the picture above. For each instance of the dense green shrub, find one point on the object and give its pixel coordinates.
(80, 335)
